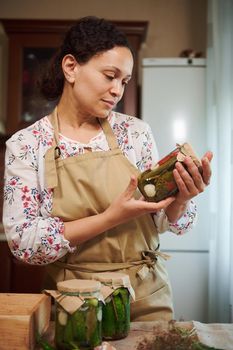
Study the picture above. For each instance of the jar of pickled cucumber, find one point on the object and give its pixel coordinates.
(116, 290)
(78, 320)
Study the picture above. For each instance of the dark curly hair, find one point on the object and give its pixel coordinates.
(89, 36)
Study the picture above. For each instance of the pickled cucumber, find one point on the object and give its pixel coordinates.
(116, 315)
(83, 329)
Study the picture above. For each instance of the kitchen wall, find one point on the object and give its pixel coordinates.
(174, 25)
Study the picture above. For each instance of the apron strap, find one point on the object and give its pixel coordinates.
(108, 132)
(148, 262)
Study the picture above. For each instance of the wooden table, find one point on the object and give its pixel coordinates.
(138, 331)
(219, 335)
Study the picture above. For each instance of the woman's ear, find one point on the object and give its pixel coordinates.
(69, 64)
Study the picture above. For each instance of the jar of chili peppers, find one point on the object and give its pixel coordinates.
(158, 182)
(78, 320)
(116, 290)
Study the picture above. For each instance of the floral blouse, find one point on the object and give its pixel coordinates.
(33, 235)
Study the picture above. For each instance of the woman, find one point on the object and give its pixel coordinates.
(71, 198)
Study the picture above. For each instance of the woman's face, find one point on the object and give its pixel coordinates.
(99, 84)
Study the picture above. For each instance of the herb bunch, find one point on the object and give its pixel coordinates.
(174, 338)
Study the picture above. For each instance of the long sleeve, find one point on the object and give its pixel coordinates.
(33, 235)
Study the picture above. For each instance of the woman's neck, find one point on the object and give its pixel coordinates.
(74, 125)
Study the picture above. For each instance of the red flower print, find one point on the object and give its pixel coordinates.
(26, 255)
(50, 240)
(13, 182)
(15, 245)
(57, 247)
(25, 189)
(26, 204)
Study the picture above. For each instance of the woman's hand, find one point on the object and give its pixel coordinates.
(190, 183)
(126, 207)
(122, 209)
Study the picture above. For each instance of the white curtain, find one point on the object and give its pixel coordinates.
(220, 141)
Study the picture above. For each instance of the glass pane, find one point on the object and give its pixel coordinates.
(34, 106)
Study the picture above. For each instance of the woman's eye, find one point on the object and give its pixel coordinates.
(109, 77)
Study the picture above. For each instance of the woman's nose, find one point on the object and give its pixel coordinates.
(116, 88)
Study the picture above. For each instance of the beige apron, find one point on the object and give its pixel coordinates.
(85, 185)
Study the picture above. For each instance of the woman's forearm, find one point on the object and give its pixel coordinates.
(82, 230)
(124, 208)
(175, 210)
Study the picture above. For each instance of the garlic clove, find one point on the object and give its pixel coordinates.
(62, 318)
(150, 190)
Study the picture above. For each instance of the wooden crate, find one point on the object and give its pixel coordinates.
(21, 316)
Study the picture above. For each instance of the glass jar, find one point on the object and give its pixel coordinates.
(78, 320)
(158, 182)
(116, 310)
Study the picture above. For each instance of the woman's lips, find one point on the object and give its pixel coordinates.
(109, 103)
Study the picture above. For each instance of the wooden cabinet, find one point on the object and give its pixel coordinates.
(17, 277)
(2, 157)
(33, 41)
(5, 268)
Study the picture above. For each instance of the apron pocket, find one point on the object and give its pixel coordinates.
(156, 306)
